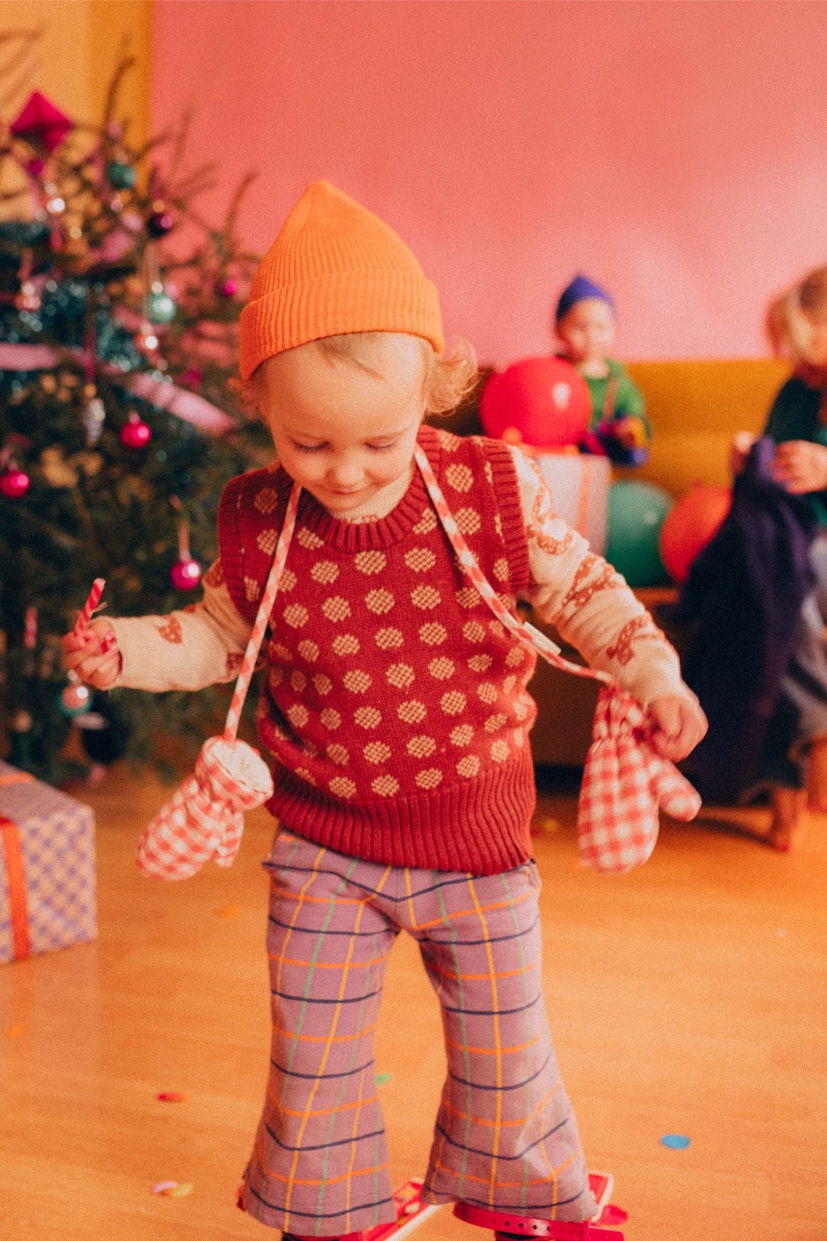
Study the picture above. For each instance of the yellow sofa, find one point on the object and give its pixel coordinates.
(694, 407)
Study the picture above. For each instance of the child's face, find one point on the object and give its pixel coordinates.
(345, 429)
(588, 330)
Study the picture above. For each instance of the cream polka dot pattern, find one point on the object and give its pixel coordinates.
(388, 639)
(336, 608)
(468, 766)
(473, 631)
(323, 684)
(421, 746)
(298, 681)
(279, 651)
(433, 634)
(308, 650)
(368, 717)
(467, 597)
(411, 712)
(379, 601)
(325, 572)
(288, 581)
(426, 597)
(338, 754)
(266, 500)
(296, 616)
(346, 644)
(308, 540)
(370, 562)
(509, 683)
(377, 752)
(427, 522)
(276, 677)
(420, 559)
(305, 775)
(501, 573)
(330, 718)
(357, 682)
(442, 669)
(340, 786)
(298, 715)
(462, 734)
(480, 663)
(385, 786)
(459, 477)
(429, 778)
(252, 590)
(500, 751)
(495, 722)
(400, 675)
(487, 692)
(516, 656)
(453, 703)
(266, 542)
(468, 520)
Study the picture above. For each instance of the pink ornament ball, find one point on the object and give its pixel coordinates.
(136, 434)
(14, 483)
(228, 288)
(692, 522)
(543, 402)
(185, 574)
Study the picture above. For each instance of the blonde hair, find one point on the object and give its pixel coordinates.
(448, 379)
(792, 317)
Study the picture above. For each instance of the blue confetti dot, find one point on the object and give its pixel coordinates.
(675, 1141)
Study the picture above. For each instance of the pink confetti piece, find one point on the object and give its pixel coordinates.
(179, 1191)
(90, 605)
(163, 1187)
(172, 1096)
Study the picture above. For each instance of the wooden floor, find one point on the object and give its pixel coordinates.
(687, 998)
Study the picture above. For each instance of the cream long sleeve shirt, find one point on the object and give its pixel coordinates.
(570, 587)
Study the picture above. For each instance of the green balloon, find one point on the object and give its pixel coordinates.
(636, 513)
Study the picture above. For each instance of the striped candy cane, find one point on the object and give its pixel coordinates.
(90, 605)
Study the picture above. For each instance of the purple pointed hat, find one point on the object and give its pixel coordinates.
(579, 289)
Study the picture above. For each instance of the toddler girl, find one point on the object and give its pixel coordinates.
(584, 323)
(797, 422)
(396, 708)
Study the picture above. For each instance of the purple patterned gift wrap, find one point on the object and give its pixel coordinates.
(47, 867)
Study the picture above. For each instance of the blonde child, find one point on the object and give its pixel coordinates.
(585, 326)
(797, 422)
(397, 712)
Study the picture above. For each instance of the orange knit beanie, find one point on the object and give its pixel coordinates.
(334, 268)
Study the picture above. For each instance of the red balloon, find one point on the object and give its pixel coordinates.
(690, 525)
(545, 400)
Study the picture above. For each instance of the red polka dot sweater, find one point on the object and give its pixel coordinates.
(394, 701)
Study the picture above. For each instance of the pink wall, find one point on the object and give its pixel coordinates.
(676, 152)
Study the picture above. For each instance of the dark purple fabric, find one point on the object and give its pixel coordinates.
(579, 289)
(744, 593)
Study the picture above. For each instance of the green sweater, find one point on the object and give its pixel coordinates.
(628, 401)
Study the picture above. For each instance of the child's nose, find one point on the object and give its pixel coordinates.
(345, 472)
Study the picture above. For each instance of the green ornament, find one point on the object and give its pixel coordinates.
(636, 513)
(160, 308)
(120, 176)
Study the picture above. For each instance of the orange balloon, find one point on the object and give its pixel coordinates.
(690, 525)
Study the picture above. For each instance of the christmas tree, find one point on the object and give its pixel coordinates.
(118, 326)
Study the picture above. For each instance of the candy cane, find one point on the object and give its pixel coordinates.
(90, 605)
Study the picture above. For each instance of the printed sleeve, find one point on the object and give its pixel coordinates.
(189, 649)
(588, 601)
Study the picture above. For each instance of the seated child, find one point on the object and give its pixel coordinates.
(397, 712)
(584, 323)
(797, 421)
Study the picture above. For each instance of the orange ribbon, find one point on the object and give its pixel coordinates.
(17, 887)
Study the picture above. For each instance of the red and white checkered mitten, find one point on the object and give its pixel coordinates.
(204, 818)
(624, 784)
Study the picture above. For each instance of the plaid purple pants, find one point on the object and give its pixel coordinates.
(505, 1134)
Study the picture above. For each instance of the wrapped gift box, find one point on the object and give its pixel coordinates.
(47, 867)
(579, 486)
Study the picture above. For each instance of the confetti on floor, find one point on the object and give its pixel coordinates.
(675, 1141)
(172, 1096)
(228, 911)
(15, 1031)
(381, 1078)
(172, 1189)
(613, 1215)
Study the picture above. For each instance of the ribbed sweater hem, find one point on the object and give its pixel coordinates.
(481, 826)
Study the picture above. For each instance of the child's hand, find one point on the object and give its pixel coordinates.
(679, 724)
(93, 654)
(801, 466)
(739, 450)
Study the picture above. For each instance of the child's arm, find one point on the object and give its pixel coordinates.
(186, 650)
(592, 608)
